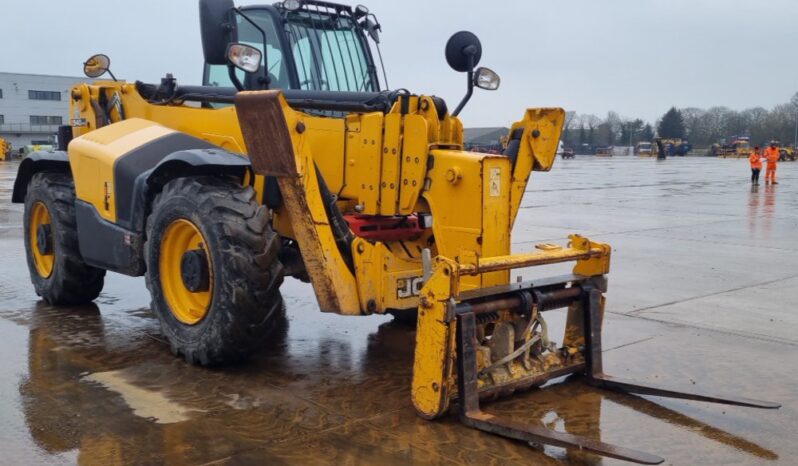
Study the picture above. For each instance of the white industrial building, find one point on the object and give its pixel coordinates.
(32, 106)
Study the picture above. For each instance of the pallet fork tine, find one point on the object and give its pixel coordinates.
(471, 415)
(651, 408)
(597, 378)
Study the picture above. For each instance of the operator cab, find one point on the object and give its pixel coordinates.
(309, 45)
(316, 52)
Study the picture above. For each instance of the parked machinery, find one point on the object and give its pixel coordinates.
(673, 146)
(6, 151)
(645, 149)
(738, 148)
(786, 152)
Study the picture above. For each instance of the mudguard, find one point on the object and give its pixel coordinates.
(35, 162)
(119, 247)
(119, 169)
(190, 162)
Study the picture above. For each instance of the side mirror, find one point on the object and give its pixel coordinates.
(98, 65)
(244, 57)
(486, 78)
(463, 51)
(218, 29)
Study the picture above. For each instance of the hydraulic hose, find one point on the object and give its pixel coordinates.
(340, 227)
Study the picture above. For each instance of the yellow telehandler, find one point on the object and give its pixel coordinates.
(292, 159)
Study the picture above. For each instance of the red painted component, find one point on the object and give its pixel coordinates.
(378, 228)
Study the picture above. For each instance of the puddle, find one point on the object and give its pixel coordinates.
(145, 403)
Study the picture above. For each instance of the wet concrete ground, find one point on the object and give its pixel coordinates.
(702, 294)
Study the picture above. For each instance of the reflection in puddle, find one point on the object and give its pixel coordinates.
(107, 400)
(144, 403)
(760, 218)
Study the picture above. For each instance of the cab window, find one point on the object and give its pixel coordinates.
(218, 75)
(328, 53)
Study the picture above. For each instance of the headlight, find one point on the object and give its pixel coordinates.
(485, 78)
(292, 5)
(244, 57)
(360, 11)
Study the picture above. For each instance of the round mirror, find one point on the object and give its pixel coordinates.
(463, 51)
(96, 65)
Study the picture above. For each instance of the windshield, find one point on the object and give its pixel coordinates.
(324, 52)
(328, 52)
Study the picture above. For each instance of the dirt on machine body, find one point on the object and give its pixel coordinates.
(291, 160)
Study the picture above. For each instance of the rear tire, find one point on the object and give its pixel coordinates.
(60, 276)
(241, 254)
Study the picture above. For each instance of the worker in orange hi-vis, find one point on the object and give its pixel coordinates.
(772, 156)
(756, 165)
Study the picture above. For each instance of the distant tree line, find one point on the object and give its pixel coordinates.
(702, 127)
(612, 130)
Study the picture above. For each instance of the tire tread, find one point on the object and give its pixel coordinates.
(250, 297)
(73, 281)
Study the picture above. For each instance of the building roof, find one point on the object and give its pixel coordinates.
(79, 78)
(484, 136)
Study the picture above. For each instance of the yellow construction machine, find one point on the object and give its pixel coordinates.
(738, 148)
(786, 152)
(5, 149)
(293, 160)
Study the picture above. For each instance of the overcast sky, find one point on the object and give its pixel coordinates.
(637, 57)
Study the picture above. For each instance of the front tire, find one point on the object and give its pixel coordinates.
(212, 269)
(57, 270)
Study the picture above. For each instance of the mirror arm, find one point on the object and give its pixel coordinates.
(470, 90)
(112, 75)
(231, 72)
(263, 74)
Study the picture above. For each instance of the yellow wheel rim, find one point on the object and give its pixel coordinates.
(40, 216)
(180, 237)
